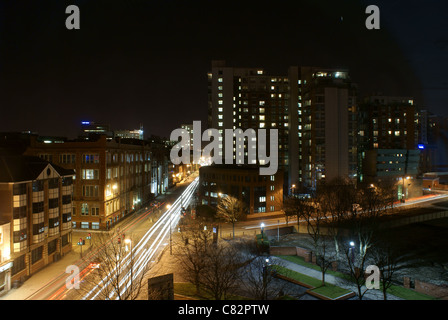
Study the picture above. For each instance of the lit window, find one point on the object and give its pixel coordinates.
(219, 79)
(220, 102)
(261, 124)
(219, 124)
(259, 71)
(262, 118)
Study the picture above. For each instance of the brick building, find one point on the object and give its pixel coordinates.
(36, 200)
(259, 193)
(113, 177)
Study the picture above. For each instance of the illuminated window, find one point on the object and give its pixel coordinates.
(261, 124)
(90, 174)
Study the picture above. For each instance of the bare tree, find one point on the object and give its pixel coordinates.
(389, 262)
(361, 223)
(230, 209)
(191, 251)
(317, 225)
(223, 270)
(117, 273)
(335, 199)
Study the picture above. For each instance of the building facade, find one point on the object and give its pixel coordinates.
(388, 138)
(36, 201)
(327, 122)
(314, 110)
(259, 193)
(249, 98)
(113, 177)
(6, 261)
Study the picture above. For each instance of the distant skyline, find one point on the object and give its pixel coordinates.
(146, 62)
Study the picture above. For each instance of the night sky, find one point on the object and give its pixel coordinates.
(146, 62)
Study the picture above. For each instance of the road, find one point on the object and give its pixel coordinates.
(253, 226)
(150, 227)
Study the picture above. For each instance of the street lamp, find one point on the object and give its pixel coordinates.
(293, 189)
(262, 228)
(352, 250)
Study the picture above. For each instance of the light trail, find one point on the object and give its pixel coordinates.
(144, 250)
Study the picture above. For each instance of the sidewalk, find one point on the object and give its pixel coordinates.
(369, 295)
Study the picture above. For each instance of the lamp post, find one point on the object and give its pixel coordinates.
(262, 229)
(352, 252)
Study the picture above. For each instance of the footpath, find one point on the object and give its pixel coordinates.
(369, 295)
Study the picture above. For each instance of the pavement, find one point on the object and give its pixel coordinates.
(369, 295)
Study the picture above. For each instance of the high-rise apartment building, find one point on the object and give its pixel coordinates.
(314, 110)
(327, 120)
(388, 123)
(433, 142)
(249, 98)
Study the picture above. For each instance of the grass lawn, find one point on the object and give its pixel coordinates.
(307, 280)
(301, 261)
(408, 294)
(404, 293)
(189, 290)
(331, 291)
